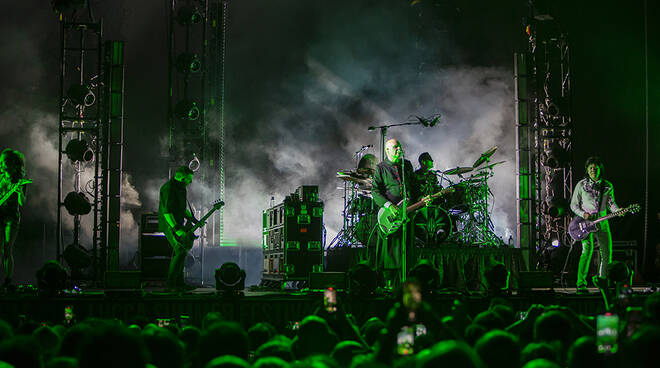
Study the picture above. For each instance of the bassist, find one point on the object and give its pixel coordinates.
(592, 197)
(173, 213)
(12, 171)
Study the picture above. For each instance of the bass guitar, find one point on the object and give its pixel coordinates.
(186, 240)
(580, 228)
(14, 187)
(389, 222)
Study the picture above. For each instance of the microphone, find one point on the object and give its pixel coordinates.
(371, 128)
(367, 146)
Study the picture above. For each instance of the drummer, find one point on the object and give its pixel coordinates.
(426, 177)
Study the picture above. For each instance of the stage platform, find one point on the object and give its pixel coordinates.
(277, 308)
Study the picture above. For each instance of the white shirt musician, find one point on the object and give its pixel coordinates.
(586, 204)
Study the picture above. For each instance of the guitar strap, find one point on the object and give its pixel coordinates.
(600, 196)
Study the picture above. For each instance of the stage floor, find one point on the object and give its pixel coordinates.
(277, 307)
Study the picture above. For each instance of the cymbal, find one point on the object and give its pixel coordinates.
(458, 170)
(484, 157)
(355, 178)
(481, 169)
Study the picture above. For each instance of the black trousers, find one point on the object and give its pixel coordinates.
(177, 262)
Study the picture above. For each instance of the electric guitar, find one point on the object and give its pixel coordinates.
(14, 187)
(186, 240)
(580, 228)
(389, 222)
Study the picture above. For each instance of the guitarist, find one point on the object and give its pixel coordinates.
(173, 212)
(592, 197)
(12, 170)
(388, 190)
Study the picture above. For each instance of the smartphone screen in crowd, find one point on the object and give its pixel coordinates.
(330, 300)
(607, 333)
(405, 341)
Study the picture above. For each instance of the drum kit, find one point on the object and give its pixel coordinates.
(460, 217)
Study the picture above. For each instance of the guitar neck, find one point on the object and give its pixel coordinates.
(417, 205)
(607, 217)
(201, 221)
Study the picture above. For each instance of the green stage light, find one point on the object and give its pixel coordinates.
(188, 63)
(187, 110)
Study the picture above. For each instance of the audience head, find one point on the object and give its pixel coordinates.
(345, 351)
(227, 361)
(48, 340)
(210, 318)
(371, 329)
(111, 346)
(259, 334)
(164, 348)
(276, 348)
(583, 353)
(21, 351)
(5, 331)
(448, 353)
(498, 349)
(473, 333)
(540, 350)
(490, 320)
(223, 338)
(314, 337)
(271, 362)
(553, 326)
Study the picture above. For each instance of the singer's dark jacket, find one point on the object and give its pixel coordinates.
(387, 183)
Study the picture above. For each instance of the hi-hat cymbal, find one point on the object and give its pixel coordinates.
(354, 178)
(458, 170)
(484, 157)
(481, 169)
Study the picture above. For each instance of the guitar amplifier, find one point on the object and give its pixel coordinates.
(154, 249)
(294, 237)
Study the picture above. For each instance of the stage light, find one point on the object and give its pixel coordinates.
(188, 15)
(557, 207)
(229, 278)
(76, 203)
(78, 150)
(188, 63)
(81, 95)
(426, 274)
(555, 157)
(51, 278)
(77, 256)
(555, 243)
(187, 110)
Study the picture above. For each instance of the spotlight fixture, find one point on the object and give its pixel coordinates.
(187, 110)
(78, 150)
(188, 15)
(81, 95)
(77, 256)
(188, 63)
(557, 207)
(555, 157)
(229, 278)
(76, 203)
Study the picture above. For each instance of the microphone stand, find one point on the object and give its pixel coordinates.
(404, 218)
(383, 134)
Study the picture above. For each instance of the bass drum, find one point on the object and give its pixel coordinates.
(456, 201)
(433, 225)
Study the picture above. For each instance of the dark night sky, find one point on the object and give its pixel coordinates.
(306, 78)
